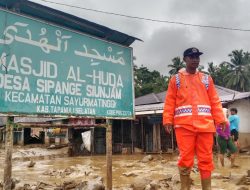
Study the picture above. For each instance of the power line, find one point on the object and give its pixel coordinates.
(149, 19)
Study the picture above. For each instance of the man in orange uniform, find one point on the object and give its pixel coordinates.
(193, 107)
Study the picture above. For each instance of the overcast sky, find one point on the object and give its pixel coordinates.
(162, 41)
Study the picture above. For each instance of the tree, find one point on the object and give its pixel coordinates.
(148, 81)
(238, 77)
(212, 70)
(176, 66)
(218, 73)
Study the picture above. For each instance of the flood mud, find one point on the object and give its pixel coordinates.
(41, 168)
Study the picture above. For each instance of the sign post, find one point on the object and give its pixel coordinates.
(109, 154)
(7, 181)
(51, 71)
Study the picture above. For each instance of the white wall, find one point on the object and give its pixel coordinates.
(243, 107)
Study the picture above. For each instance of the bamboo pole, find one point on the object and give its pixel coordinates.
(109, 154)
(7, 182)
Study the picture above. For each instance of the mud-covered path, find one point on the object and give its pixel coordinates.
(54, 168)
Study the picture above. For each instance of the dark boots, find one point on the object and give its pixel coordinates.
(206, 184)
(186, 181)
(185, 178)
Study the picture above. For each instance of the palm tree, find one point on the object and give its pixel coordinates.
(218, 72)
(176, 66)
(212, 70)
(238, 77)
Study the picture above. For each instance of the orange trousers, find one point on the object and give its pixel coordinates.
(191, 143)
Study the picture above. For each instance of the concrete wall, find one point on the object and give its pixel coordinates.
(244, 140)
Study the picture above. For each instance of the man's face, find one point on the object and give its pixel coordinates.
(192, 61)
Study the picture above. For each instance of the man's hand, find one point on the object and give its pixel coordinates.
(223, 126)
(168, 128)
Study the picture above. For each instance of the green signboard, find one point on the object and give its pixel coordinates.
(50, 70)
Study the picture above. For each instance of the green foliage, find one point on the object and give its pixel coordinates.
(238, 77)
(148, 81)
(179, 64)
(218, 73)
(176, 66)
(234, 74)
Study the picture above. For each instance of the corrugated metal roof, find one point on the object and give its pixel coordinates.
(149, 99)
(149, 107)
(228, 95)
(242, 95)
(67, 20)
(222, 91)
(147, 103)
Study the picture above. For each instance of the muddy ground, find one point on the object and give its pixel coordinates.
(40, 168)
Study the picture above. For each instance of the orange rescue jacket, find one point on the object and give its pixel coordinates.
(192, 102)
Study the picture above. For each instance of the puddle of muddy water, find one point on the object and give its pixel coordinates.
(52, 169)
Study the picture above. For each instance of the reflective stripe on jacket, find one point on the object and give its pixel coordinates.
(192, 100)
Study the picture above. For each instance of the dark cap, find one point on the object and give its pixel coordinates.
(191, 51)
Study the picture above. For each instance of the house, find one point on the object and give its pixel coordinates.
(29, 135)
(241, 101)
(149, 108)
(144, 134)
(58, 132)
(148, 111)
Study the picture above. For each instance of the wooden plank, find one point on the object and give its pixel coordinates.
(158, 127)
(155, 144)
